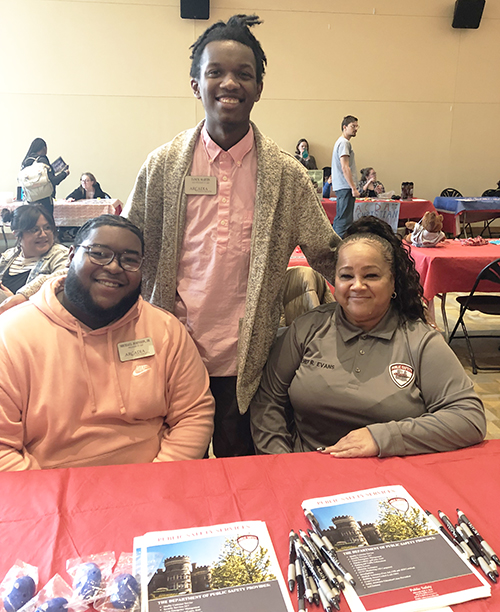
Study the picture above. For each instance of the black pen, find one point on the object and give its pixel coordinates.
(463, 545)
(291, 560)
(306, 574)
(316, 571)
(325, 550)
(318, 559)
(462, 518)
(478, 549)
(438, 525)
(480, 559)
(314, 588)
(324, 602)
(314, 523)
(327, 547)
(299, 579)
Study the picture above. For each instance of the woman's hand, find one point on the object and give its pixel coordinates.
(379, 189)
(7, 292)
(357, 443)
(12, 301)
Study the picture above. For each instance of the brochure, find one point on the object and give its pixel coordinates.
(208, 569)
(59, 165)
(399, 561)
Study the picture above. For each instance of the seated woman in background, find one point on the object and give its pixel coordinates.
(368, 186)
(36, 251)
(89, 189)
(302, 154)
(366, 376)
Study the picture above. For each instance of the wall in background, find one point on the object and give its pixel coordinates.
(106, 82)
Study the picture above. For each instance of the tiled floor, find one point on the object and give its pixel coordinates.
(487, 351)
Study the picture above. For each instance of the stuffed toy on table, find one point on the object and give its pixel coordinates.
(427, 232)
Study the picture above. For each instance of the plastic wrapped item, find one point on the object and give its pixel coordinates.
(122, 589)
(90, 575)
(56, 596)
(18, 586)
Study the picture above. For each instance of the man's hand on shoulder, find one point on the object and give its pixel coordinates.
(10, 302)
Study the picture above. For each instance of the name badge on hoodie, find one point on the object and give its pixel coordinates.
(136, 349)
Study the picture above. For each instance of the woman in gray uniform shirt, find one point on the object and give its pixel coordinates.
(366, 376)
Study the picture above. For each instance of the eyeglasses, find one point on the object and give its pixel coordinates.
(37, 230)
(102, 256)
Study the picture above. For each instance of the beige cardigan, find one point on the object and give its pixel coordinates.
(287, 213)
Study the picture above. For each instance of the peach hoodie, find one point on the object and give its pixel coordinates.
(66, 398)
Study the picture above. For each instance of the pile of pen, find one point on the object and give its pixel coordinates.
(469, 542)
(315, 568)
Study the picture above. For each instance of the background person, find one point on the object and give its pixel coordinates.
(366, 376)
(38, 152)
(92, 374)
(344, 175)
(368, 186)
(89, 189)
(302, 154)
(36, 251)
(218, 260)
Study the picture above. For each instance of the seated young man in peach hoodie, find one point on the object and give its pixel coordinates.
(94, 375)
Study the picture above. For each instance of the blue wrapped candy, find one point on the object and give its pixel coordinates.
(123, 592)
(56, 604)
(23, 590)
(87, 580)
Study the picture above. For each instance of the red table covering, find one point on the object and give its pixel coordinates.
(50, 516)
(452, 267)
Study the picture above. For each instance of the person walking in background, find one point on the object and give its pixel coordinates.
(37, 152)
(344, 175)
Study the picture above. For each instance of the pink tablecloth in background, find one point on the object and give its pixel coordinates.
(452, 267)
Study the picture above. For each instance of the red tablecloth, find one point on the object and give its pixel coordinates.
(409, 209)
(50, 516)
(451, 267)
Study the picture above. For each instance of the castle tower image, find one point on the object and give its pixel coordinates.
(346, 533)
(200, 578)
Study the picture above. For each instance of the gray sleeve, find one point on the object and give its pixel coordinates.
(270, 409)
(455, 415)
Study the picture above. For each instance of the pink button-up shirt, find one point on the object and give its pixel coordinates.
(215, 257)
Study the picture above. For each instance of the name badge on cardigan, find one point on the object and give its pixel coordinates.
(200, 185)
(136, 349)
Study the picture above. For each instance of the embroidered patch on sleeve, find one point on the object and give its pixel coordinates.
(402, 374)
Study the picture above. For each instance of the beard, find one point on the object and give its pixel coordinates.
(82, 301)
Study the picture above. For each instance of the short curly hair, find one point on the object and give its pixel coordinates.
(237, 28)
(409, 300)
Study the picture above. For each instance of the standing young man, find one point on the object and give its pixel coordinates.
(344, 175)
(222, 208)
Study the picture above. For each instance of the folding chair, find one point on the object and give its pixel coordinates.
(487, 304)
(450, 193)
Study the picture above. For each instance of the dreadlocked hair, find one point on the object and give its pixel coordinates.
(237, 28)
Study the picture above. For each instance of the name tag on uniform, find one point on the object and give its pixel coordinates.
(200, 185)
(136, 349)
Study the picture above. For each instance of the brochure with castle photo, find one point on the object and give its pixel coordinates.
(399, 561)
(208, 569)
